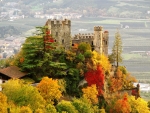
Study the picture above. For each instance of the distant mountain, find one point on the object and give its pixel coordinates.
(8, 30)
(115, 8)
(81, 4)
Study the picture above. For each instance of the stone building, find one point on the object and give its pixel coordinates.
(98, 40)
(61, 31)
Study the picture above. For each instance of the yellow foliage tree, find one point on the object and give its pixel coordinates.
(49, 89)
(25, 109)
(138, 105)
(102, 60)
(23, 94)
(3, 103)
(91, 93)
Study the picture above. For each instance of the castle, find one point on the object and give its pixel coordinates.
(61, 31)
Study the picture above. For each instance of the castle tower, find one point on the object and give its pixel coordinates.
(98, 36)
(61, 31)
(100, 41)
(105, 42)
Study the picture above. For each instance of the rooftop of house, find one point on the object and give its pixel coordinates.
(12, 72)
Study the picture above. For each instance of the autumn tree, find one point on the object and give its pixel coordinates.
(101, 59)
(83, 105)
(75, 60)
(120, 80)
(91, 93)
(122, 105)
(138, 105)
(83, 47)
(3, 103)
(23, 94)
(117, 49)
(49, 89)
(25, 109)
(66, 107)
(116, 81)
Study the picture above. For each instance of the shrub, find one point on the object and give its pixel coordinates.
(66, 106)
(82, 105)
(50, 109)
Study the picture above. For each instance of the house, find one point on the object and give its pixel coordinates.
(12, 72)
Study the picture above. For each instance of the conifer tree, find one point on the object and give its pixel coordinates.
(39, 55)
(117, 49)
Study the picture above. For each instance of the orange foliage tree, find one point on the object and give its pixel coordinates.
(121, 80)
(122, 105)
(116, 82)
(49, 89)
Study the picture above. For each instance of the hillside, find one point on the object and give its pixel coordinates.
(117, 8)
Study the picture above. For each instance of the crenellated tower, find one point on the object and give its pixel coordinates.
(105, 42)
(100, 41)
(61, 31)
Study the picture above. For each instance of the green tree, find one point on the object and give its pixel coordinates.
(66, 106)
(39, 55)
(23, 94)
(117, 49)
(83, 47)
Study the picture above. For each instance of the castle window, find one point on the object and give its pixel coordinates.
(56, 33)
(63, 41)
(106, 42)
(64, 34)
(92, 46)
(92, 43)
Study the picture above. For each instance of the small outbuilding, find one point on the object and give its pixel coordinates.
(11, 72)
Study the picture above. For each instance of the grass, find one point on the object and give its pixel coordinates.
(127, 56)
(145, 96)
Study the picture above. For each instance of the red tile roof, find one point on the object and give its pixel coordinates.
(12, 72)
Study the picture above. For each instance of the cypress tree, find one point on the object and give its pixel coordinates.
(117, 49)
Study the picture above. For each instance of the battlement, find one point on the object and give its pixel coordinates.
(98, 28)
(83, 36)
(58, 22)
